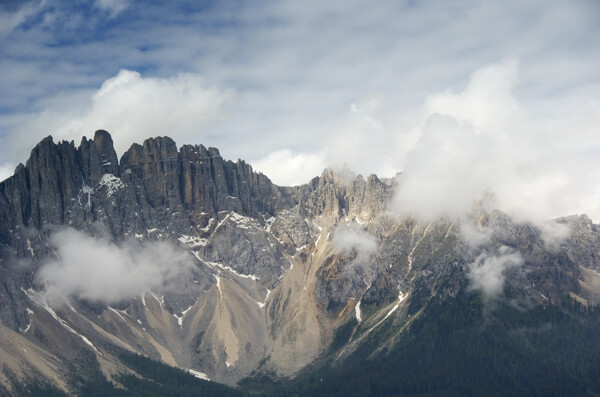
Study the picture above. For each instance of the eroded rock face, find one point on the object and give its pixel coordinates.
(272, 278)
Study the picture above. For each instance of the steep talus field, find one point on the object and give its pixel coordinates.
(111, 268)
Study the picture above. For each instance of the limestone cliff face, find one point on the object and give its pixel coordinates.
(156, 175)
(273, 280)
(40, 192)
(196, 178)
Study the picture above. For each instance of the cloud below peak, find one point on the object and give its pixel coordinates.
(350, 237)
(99, 270)
(486, 273)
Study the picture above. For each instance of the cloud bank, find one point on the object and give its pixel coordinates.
(99, 270)
(482, 139)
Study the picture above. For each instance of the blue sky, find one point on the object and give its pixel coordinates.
(495, 92)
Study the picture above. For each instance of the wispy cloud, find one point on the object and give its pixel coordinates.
(113, 7)
(487, 272)
(351, 238)
(11, 17)
(99, 270)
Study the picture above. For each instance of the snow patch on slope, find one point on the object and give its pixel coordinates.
(401, 297)
(219, 285)
(29, 248)
(86, 191)
(357, 312)
(112, 183)
(198, 374)
(183, 313)
(192, 241)
(228, 268)
(41, 300)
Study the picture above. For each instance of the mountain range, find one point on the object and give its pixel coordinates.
(203, 264)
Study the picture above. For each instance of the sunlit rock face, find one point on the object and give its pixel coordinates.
(214, 268)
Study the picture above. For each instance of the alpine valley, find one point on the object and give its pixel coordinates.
(176, 272)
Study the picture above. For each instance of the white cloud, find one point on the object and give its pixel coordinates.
(445, 171)
(364, 139)
(349, 237)
(102, 271)
(285, 168)
(553, 234)
(483, 139)
(487, 104)
(474, 235)
(131, 108)
(486, 273)
(114, 7)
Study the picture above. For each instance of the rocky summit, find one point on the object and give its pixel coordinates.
(216, 270)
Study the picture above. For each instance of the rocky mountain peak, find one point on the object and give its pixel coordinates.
(340, 192)
(98, 157)
(341, 176)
